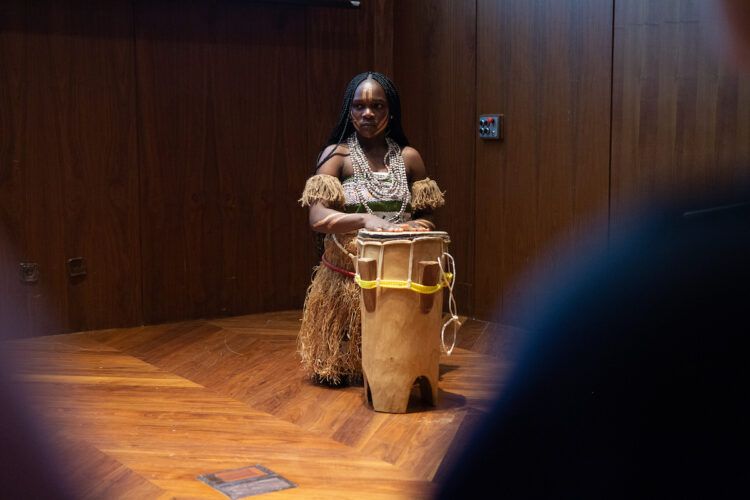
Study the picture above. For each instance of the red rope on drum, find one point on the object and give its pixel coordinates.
(337, 269)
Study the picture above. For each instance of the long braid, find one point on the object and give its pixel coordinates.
(344, 127)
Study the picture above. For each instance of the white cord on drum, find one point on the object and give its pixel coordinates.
(452, 307)
(341, 247)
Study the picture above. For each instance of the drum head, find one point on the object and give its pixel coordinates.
(400, 235)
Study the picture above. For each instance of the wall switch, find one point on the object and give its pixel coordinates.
(76, 267)
(490, 127)
(29, 272)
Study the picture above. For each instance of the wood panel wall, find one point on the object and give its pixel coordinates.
(221, 154)
(681, 114)
(545, 66)
(68, 172)
(166, 143)
(435, 71)
(235, 102)
(603, 107)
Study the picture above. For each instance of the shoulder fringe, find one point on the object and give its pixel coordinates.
(323, 188)
(426, 194)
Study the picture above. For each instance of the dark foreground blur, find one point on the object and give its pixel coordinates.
(633, 382)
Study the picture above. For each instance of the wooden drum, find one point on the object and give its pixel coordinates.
(402, 303)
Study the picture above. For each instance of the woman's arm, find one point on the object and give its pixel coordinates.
(328, 220)
(415, 169)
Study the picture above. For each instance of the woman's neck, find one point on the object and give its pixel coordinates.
(373, 144)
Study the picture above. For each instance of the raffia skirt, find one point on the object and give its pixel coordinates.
(330, 338)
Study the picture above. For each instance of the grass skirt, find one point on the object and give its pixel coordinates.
(330, 338)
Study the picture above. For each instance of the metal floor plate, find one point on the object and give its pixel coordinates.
(246, 481)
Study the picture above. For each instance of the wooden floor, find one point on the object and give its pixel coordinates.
(141, 412)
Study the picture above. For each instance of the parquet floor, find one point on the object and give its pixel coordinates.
(141, 412)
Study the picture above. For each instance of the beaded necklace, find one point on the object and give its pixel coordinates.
(365, 178)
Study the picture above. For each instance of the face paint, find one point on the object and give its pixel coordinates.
(369, 111)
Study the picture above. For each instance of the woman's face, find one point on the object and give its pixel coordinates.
(369, 111)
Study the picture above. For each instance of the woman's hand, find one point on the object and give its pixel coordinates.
(419, 225)
(375, 223)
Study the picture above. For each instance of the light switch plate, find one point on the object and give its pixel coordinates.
(490, 127)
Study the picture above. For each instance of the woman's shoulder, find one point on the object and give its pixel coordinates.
(335, 150)
(414, 164)
(332, 159)
(410, 152)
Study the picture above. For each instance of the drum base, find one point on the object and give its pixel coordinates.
(391, 394)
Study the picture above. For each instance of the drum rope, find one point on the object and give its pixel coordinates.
(341, 247)
(401, 284)
(380, 266)
(452, 307)
(411, 263)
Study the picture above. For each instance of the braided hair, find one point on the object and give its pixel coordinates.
(344, 128)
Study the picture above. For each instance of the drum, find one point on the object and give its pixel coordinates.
(401, 276)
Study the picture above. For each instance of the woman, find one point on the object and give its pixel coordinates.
(367, 177)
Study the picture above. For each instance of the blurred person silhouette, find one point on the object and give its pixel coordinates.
(633, 379)
(30, 462)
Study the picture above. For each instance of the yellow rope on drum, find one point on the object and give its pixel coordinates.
(404, 285)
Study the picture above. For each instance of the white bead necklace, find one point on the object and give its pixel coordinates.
(365, 178)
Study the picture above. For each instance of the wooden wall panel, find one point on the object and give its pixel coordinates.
(13, 312)
(200, 121)
(167, 145)
(222, 111)
(546, 66)
(33, 166)
(681, 115)
(435, 70)
(98, 137)
(381, 15)
(68, 162)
